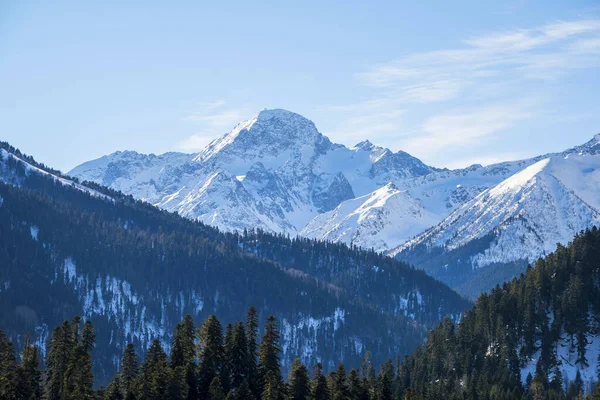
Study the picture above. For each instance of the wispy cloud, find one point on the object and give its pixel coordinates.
(483, 82)
(462, 127)
(213, 118)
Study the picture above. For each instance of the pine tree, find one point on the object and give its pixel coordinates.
(271, 387)
(251, 330)
(60, 348)
(386, 390)
(339, 390)
(356, 389)
(269, 353)
(211, 354)
(299, 382)
(113, 390)
(183, 352)
(238, 357)
(8, 369)
(154, 377)
(29, 372)
(78, 380)
(177, 387)
(319, 388)
(129, 374)
(243, 392)
(215, 390)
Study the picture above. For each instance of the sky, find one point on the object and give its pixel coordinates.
(452, 83)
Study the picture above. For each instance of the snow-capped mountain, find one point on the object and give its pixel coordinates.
(275, 172)
(513, 223)
(386, 215)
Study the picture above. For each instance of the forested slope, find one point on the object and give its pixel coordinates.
(70, 248)
(535, 336)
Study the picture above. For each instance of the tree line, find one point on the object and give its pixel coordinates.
(206, 362)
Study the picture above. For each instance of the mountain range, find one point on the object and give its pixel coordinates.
(278, 173)
(79, 248)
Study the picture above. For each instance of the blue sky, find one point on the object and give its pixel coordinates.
(453, 83)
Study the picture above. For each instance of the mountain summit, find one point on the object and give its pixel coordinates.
(275, 171)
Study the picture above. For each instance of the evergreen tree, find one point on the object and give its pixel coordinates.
(177, 386)
(215, 390)
(129, 374)
(271, 386)
(29, 372)
(269, 355)
(183, 354)
(386, 391)
(155, 374)
(238, 357)
(251, 330)
(8, 369)
(339, 390)
(113, 390)
(299, 382)
(211, 354)
(319, 388)
(356, 389)
(60, 348)
(78, 379)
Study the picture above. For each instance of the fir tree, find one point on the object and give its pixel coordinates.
(339, 390)
(113, 390)
(215, 390)
(129, 374)
(29, 372)
(8, 369)
(271, 386)
(251, 330)
(183, 352)
(60, 350)
(269, 354)
(319, 388)
(211, 354)
(238, 357)
(78, 379)
(299, 382)
(155, 375)
(356, 389)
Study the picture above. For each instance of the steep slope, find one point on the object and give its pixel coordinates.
(517, 221)
(136, 270)
(384, 216)
(438, 193)
(275, 172)
(531, 337)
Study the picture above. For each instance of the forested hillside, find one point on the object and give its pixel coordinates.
(134, 270)
(536, 337)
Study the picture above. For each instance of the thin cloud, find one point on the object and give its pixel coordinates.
(483, 80)
(455, 129)
(212, 119)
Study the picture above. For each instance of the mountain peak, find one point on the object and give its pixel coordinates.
(364, 145)
(270, 133)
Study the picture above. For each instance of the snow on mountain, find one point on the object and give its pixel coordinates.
(527, 214)
(275, 171)
(387, 215)
(8, 176)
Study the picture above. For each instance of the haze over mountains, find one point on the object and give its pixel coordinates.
(277, 172)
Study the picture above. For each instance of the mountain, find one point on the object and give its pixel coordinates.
(275, 172)
(535, 337)
(472, 227)
(79, 248)
(386, 215)
(513, 223)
